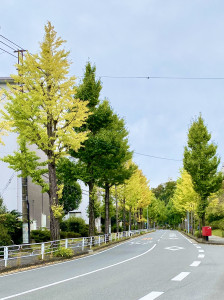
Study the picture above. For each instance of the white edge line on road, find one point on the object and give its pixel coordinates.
(179, 277)
(201, 250)
(78, 276)
(201, 256)
(151, 296)
(195, 263)
(69, 261)
(186, 238)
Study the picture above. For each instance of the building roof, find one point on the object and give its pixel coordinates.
(6, 79)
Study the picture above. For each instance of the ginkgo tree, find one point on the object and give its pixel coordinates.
(134, 195)
(42, 109)
(4, 126)
(185, 199)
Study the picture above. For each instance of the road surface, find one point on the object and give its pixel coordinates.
(163, 265)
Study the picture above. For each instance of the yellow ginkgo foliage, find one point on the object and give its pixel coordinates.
(42, 109)
(185, 198)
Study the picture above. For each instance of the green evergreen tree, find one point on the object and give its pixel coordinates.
(67, 175)
(201, 162)
(89, 90)
(112, 161)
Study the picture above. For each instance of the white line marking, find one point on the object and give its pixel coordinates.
(198, 247)
(201, 250)
(152, 296)
(186, 238)
(78, 276)
(195, 263)
(69, 261)
(179, 277)
(201, 256)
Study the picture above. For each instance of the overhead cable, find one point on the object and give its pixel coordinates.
(8, 52)
(10, 41)
(157, 157)
(162, 77)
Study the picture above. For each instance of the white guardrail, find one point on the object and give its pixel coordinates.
(27, 254)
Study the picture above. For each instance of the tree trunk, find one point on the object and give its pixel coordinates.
(130, 218)
(91, 210)
(117, 223)
(107, 198)
(53, 200)
(124, 216)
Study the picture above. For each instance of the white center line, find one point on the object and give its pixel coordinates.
(201, 251)
(181, 276)
(198, 247)
(201, 256)
(152, 296)
(195, 263)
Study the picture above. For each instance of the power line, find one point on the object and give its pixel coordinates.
(8, 52)
(161, 77)
(7, 45)
(8, 183)
(157, 157)
(11, 41)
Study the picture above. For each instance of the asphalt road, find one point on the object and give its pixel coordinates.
(161, 265)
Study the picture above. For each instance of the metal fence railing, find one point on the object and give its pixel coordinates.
(27, 254)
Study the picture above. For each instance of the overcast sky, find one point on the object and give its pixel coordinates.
(126, 38)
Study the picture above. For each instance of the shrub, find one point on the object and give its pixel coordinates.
(13, 226)
(64, 252)
(75, 224)
(5, 238)
(69, 234)
(197, 233)
(218, 224)
(85, 230)
(40, 235)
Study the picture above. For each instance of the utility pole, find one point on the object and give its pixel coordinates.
(25, 202)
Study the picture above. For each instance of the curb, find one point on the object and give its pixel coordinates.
(88, 252)
(201, 241)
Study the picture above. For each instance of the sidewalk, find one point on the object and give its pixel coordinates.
(213, 240)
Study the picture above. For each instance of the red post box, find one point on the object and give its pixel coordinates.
(206, 231)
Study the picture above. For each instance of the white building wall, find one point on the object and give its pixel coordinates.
(10, 184)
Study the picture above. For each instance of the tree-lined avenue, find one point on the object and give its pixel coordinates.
(164, 265)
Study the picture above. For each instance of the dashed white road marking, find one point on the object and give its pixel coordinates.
(201, 250)
(195, 263)
(181, 276)
(201, 256)
(198, 247)
(152, 296)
